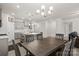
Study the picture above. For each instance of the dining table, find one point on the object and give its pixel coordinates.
(43, 47)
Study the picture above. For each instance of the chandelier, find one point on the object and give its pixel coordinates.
(45, 12)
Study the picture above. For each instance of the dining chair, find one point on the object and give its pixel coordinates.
(72, 46)
(20, 36)
(60, 36)
(17, 50)
(22, 39)
(29, 38)
(17, 35)
(40, 36)
(73, 35)
(65, 51)
(68, 50)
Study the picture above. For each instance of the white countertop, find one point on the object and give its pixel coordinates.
(31, 33)
(2, 37)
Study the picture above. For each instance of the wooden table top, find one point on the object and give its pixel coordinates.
(43, 47)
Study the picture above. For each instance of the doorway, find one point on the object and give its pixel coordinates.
(67, 28)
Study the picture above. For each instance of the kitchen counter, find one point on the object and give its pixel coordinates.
(31, 33)
(2, 36)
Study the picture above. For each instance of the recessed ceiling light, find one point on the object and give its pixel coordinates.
(18, 6)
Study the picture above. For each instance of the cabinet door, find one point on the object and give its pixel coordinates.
(4, 47)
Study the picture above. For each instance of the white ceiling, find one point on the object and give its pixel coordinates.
(60, 9)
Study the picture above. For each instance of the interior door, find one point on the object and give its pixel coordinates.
(51, 28)
(67, 28)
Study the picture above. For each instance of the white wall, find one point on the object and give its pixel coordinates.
(59, 26)
(75, 23)
(47, 27)
(40, 27)
(3, 28)
(51, 28)
(7, 27)
(10, 29)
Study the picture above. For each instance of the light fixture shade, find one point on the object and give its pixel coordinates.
(37, 11)
(49, 12)
(29, 24)
(45, 12)
(42, 13)
(42, 7)
(51, 8)
(18, 6)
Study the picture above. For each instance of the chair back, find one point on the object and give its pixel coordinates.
(17, 35)
(72, 46)
(60, 36)
(4, 47)
(40, 36)
(22, 39)
(66, 51)
(29, 38)
(16, 48)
